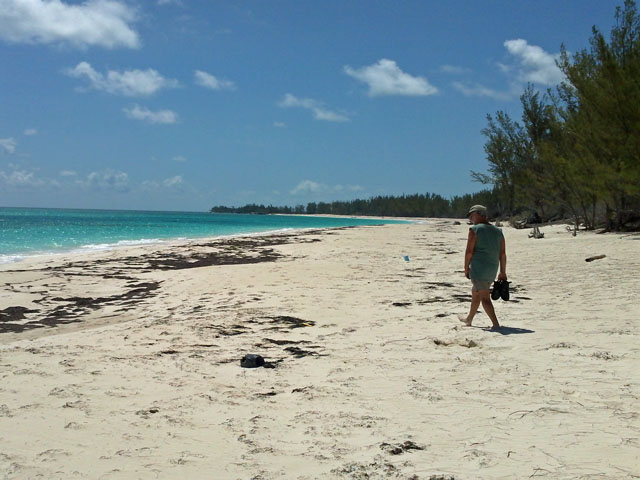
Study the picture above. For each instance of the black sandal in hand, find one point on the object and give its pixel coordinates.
(500, 290)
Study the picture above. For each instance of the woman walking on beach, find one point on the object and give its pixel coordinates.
(484, 254)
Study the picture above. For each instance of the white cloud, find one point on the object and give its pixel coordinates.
(68, 173)
(207, 80)
(110, 180)
(319, 112)
(307, 187)
(8, 145)
(453, 70)
(104, 23)
(170, 2)
(536, 65)
(279, 124)
(528, 63)
(131, 83)
(141, 113)
(477, 90)
(386, 78)
(348, 188)
(20, 178)
(179, 158)
(506, 69)
(176, 183)
(173, 182)
(30, 131)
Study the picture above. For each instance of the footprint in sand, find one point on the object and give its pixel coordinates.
(52, 454)
(5, 411)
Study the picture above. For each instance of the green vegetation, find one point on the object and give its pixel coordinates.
(577, 151)
(418, 205)
(575, 154)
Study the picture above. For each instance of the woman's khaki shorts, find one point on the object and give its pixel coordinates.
(479, 285)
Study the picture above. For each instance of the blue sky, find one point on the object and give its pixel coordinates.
(186, 104)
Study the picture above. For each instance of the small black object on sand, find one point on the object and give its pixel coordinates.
(251, 360)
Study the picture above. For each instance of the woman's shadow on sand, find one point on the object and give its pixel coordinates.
(502, 330)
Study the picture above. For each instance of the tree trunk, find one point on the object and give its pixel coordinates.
(608, 224)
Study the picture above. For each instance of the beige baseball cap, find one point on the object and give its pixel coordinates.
(480, 209)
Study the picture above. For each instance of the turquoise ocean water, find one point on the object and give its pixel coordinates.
(35, 231)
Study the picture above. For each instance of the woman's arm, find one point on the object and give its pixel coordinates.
(503, 261)
(468, 254)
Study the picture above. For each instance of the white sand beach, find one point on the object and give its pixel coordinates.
(126, 364)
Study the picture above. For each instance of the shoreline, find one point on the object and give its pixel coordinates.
(373, 375)
(19, 256)
(139, 260)
(124, 245)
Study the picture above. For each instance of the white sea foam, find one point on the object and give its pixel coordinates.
(271, 232)
(97, 247)
(11, 258)
(121, 243)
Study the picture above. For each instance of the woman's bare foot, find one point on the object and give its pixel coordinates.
(465, 320)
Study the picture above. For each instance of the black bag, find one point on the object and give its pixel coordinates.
(251, 360)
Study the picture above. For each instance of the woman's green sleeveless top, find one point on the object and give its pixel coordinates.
(486, 255)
